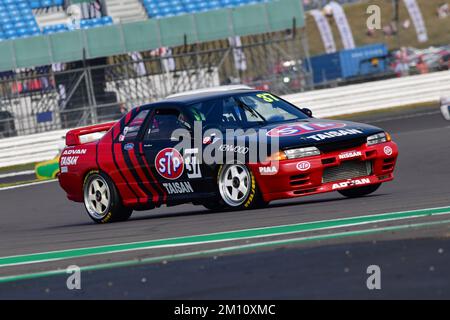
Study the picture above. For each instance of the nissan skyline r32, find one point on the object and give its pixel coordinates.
(155, 156)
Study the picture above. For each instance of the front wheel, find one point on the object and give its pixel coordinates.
(360, 192)
(238, 188)
(102, 201)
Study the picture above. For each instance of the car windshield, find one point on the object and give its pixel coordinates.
(246, 110)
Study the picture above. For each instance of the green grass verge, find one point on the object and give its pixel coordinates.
(18, 183)
(18, 168)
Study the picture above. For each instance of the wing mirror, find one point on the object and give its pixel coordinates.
(307, 111)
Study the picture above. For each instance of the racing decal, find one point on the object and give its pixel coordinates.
(122, 122)
(192, 163)
(334, 134)
(116, 164)
(208, 140)
(135, 175)
(303, 166)
(128, 146)
(160, 193)
(69, 152)
(124, 133)
(351, 183)
(350, 155)
(388, 151)
(302, 128)
(268, 170)
(69, 161)
(232, 148)
(64, 169)
(70, 156)
(267, 97)
(169, 163)
(178, 187)
(141, 176)
(125, 121)
(136, 180)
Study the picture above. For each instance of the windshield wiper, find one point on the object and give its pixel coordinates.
(252, 111)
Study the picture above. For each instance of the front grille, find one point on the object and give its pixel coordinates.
(347, 170)
(341, 145)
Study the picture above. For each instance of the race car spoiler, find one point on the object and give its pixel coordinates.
(73, 136)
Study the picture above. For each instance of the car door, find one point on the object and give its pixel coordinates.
(176, 170)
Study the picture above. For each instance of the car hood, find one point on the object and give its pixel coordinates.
(313, 132)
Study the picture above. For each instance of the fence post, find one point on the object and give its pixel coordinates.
(91, 95)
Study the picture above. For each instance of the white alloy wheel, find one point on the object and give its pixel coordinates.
(235, 184)
(97, 197)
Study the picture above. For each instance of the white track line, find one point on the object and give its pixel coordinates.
(27, 185)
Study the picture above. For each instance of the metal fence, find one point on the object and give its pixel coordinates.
(319, 4)
(91, 91)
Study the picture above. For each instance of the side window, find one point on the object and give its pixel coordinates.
(164, 123)
(231, 113)
(208, 112)
(131, 131)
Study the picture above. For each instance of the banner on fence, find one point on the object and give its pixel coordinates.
(342, 23)
(324, 30)
(240, 60)
(417, 19)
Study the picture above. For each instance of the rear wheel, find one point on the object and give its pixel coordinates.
(238, 188)
(102, 201)
(360, 192)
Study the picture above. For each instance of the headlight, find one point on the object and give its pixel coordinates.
(301, 152)
(378, 138)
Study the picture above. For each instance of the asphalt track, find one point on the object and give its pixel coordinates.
(413, 253)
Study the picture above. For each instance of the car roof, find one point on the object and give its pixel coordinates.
(185, 100)
(210, 90)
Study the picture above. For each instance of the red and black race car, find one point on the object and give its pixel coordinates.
(223, 150)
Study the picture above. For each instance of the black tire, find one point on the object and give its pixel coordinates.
(215, 205)
(360, 192)
(252, 199)
(106, 207)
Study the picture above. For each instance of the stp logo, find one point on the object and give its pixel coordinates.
(302, 128)
(388, 151)
(169, 163)
(303, 166)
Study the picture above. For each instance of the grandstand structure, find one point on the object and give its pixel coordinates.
(60, 72)
(27, 18)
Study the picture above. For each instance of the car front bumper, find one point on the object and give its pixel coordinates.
(333, 171)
